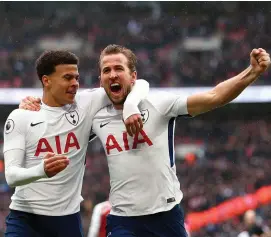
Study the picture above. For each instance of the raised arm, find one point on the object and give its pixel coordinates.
(228, 90)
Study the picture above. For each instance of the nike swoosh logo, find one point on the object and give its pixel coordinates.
(102, 125)
(35, 124)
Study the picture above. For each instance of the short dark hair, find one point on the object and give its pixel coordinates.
(115, 49)
(48, 60)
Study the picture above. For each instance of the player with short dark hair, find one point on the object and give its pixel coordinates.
(45, 151)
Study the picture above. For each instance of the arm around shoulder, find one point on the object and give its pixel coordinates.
(139, 92)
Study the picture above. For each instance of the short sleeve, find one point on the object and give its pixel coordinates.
(169, 104)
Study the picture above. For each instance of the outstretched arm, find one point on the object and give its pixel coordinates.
(228, 90)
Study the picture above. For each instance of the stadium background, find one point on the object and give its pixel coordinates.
(220, 155)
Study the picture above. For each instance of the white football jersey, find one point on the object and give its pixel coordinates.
(53, 129)
(142, 168)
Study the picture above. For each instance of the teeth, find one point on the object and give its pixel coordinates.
(115, 84)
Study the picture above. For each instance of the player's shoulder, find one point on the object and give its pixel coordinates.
(18, 118)
(156, 96)
(89, 93)
(21, 114)
(87, 97)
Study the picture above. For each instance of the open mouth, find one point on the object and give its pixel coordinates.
(115, 87)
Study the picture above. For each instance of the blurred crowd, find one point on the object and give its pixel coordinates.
(177, 44)
(236, 152)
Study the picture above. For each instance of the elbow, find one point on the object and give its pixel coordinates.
(11, 183)
(10, 179)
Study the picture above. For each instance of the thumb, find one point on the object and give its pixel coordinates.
(253, 61)
(38, 100)
(255, 52)
(49, 155)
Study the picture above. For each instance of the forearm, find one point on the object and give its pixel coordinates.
(139, 92)
(228, 90)
(222, 94)
(17, 175)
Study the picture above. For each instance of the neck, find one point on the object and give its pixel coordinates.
(118, 107)
(50, 101)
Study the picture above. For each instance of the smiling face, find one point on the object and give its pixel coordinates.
(116, 78)
(61, 86)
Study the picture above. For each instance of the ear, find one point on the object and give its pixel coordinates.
(134, 77)
(46, 81)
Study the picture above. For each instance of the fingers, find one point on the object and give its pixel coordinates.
(32, 99)
(263, 58)
(55, 170)
(140, 122)
(133, 124)
(53, 164)
(48, 155)
(30, 103)
(256, 52)
(55, 161)
(260, 59)
(128, 128)
(262, 50)
(264, 64)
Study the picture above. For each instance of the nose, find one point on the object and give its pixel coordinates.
(113, 74)
(75, 83)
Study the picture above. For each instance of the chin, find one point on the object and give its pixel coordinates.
(71, 101)
(119, 101)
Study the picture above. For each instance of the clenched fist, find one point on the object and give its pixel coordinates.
(259, 60)
(53, 164)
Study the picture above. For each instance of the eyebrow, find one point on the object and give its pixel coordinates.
(71, 74)
(118, 65)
